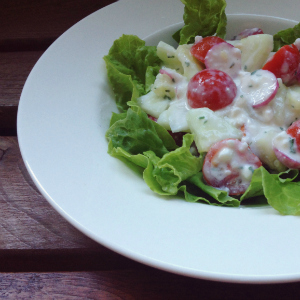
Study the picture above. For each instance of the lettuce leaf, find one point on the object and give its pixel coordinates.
(282, 194)
(202, 17)
(173, 168)
(135, 133)
(131, 69)
(280, 190)
(286, 37)
(197, 191)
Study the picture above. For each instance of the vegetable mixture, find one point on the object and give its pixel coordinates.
(215, 119)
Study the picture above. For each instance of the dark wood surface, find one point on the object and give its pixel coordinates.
(41, 255)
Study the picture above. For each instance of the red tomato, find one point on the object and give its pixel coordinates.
(284, 64)
(200, 49)
(211, 88)
(294, 131)
(227, 164)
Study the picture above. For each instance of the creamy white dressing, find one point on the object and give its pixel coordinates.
(260, 125)
(232, 154)
(287, 145)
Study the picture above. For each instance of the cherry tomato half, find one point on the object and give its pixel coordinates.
(294, 131)
(200, 49)
(211, 88)
(229, 165)
(284, 64)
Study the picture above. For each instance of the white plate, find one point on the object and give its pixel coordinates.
(63, 115)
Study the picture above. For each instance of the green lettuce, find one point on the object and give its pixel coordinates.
(286, 37)
(202, 17)
(280, 190)
(135, 133)
(131, 69)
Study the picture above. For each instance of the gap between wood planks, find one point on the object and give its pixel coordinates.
(57, 260)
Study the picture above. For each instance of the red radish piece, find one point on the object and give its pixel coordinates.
(286, 160)
(284, 64)
(229, 165)
(286, 146)
(224, 57)
(247, 32)
(200, 49)
(172, 74)
(211, 88)
(259, 87)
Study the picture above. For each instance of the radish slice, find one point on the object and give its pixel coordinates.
(259, 87)
(286, 160)
(175, 77)
(286, 151)
(247, 32)
(224, 57)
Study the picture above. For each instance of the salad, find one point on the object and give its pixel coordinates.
(215, 119)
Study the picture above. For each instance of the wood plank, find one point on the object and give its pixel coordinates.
(14, 70)
(27, 221)
(27, 23)
(128, 284)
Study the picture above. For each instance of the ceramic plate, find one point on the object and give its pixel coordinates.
(63, 115)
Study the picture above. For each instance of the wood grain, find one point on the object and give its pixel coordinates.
(27, 221)
(132, 284)
(14, 70)
(31, 24)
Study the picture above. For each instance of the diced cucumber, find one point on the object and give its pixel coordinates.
(175, 117)
(168, 55)
(255, 50)
(190, 64)
(208, 128)
(293, 97)
(164, 87)
(152, 104)
(263, 148)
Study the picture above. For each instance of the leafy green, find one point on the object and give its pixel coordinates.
(202, 17)
(173, 168)
(282, 194)
(281, 190)
(131, 69)
(196, 190)
(286, 37)
(256, 187)
(135, 133)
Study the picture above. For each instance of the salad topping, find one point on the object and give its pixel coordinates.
(231, 105)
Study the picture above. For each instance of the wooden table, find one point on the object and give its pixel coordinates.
(41, 255)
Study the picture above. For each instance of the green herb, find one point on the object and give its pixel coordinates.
(187, 63)
(292, 145)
